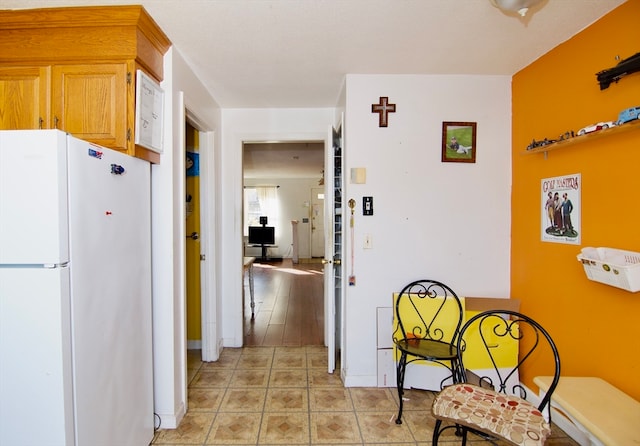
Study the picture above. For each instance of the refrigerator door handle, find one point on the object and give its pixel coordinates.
(55, 265)
(34, 265)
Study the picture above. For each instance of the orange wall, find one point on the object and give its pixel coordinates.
(594, 325)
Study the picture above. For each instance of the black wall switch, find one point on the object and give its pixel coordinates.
(367, 205)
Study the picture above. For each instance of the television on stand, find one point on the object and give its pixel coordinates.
(262, 236)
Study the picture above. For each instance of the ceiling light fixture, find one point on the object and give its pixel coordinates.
(519, 6)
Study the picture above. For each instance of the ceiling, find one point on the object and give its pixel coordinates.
(283, 160)
(296, 53)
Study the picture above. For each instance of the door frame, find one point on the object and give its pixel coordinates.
(334, 263)
(328, 258)
(210, 343)
(241, 140)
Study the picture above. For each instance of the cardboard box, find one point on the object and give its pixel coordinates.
(480, 304)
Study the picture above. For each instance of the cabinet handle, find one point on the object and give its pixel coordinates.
(40, 121)
(55, 122)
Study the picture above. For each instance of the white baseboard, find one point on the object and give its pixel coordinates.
(359, 381)
(171, 421)
(232, 342)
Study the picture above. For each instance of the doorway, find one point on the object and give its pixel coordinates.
(201, 327)
(296, 170)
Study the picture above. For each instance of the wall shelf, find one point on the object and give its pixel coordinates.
(633, 125)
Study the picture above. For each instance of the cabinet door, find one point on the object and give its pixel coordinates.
(90, 102)
(24, 98)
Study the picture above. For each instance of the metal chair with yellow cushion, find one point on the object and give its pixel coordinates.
(495, 406)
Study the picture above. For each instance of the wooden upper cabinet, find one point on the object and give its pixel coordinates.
(90, 102)
(24, 98)
(75, 69)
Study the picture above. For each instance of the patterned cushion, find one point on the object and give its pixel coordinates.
(509, 417)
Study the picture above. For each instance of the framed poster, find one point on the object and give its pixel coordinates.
(149, 112)
(560, 209)
(192, 164)
(459, 142)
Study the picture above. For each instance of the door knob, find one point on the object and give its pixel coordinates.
(325, 261)
(337, 262)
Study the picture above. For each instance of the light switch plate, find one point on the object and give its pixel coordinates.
(367, 205)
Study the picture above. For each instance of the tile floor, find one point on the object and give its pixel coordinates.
(284, 395)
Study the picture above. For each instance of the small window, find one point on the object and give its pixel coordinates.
(260, 201)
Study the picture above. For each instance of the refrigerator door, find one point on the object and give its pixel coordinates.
(36, 394)
(110, 251)
(33, 197)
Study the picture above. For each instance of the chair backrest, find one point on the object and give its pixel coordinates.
(428, 309)
(484, 338)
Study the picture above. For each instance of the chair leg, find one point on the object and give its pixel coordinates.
(438, 429)
(402, 366)
(436, 433)
(463, 433)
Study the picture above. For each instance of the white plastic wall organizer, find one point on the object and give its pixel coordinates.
(611, 266)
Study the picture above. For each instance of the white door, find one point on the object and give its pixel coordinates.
(333, 245)
(209, 309)
(317, 222)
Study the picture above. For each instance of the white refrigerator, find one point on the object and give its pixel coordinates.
(75, 293)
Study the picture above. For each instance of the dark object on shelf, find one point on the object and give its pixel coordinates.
(566, 135)
(624, 67)
(545, 142)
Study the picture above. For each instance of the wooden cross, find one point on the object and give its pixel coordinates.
(383, 109)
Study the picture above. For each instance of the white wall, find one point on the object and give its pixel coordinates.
(421, 226)
(445, 221)
(182, 90)
(294, 196)
(238, 126)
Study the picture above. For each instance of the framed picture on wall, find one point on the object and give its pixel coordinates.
(458, 142)
(149, 112)
(560, 205)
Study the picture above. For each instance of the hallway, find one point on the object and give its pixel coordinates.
(288, 305)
